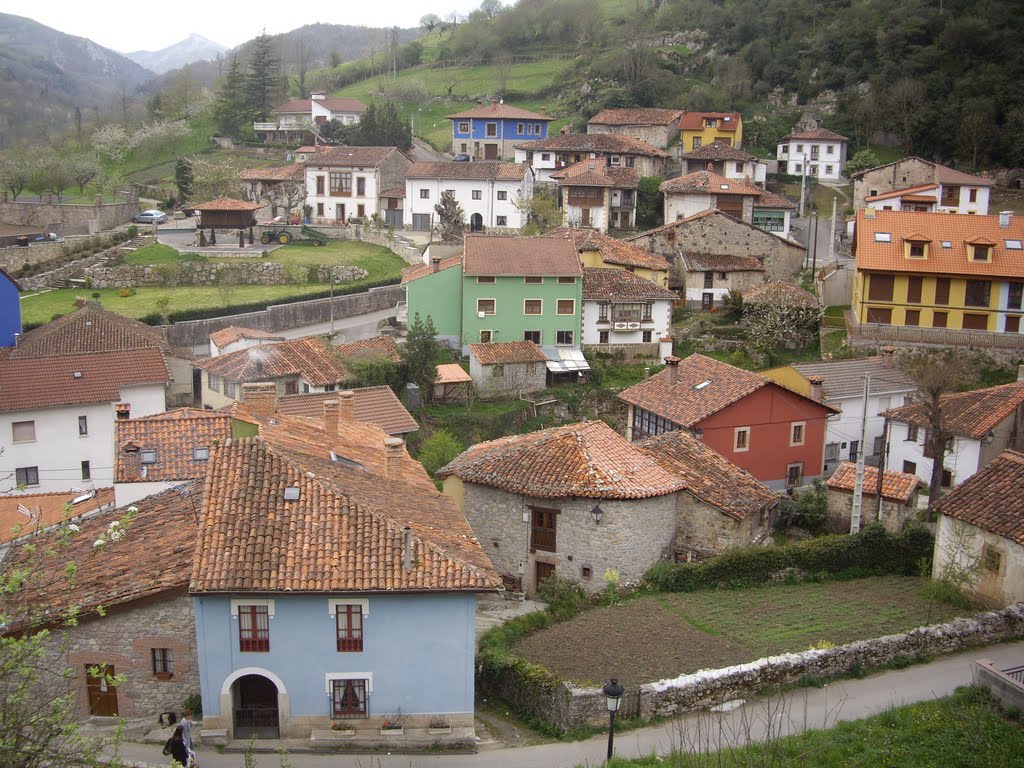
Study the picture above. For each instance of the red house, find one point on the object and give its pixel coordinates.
(774, 433)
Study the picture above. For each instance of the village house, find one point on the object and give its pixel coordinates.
(708, 277)
(299, 120)
(348, 183)
(900, 494)
(26, 514)
(549, 156)
(365, 405)
(235, 337)
(507, 368)
(280, 189)
(598, 250)
(774, 433)
(491, 132)
(10, 310)
(725, 160)
(489, 193)
(624, 312)
(815, 152)
(594, 194)
(981, 529)
(657, 127)
(699, 128)
(913, 184)
(703, 190)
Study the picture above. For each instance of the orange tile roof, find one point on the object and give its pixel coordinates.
(605, 284)
(483, 170)
(46, 509)
(451, 373)
(494, 255)
(718, 150)
(499, 111)
(595, 172)
(708, 475)
(901, 192)
(312, 358)
(173, 435)
(588, 460)
(896, 486)
(636, 116)
(227, 204)
(349, 157)
(91, 329)
(815, 134)
(992, 499)
(377, 346)
(971, 414)
(611, 249)
(502, 352)
(771, 200)
(694, 121)
(370, 405)
(721, 262)
(600, 143)
(955, 228)
(417, 271)
(234, 333)
(708, 183)
(293, 172)
(780, 291)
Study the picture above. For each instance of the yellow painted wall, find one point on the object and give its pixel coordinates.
(789, 377)
(593, 259)
(453, 489)
(955, 310)
(707, 135)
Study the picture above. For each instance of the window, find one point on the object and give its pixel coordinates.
(567, 281)
(213, 382)
(341, 182)
(975, 322)
(491, 130)
(229, 388)
(23, 431)
(253, 628)
(291, 387)
(739, 167)
(914, 285)
(486, 306)
(486, 336)
(533, 307)
(832, 452)
(917, 249)
(163, 661)
(828, 170)
(534, 336)
(497, 371)
(83, 426)
(909, 467)
(912, 317)
(1012, 324)
(86, 471)
(741, 439)
(976, 293)
(940, 319)
(533, 280)
(566, 307)
(545, 156)
(880, 287)
(709, 279)
(502, 194)
(880, 315)
(537, 129)
(784, 149)
(796, 433)
(464, 127)
(602, 337)
(201, 454)
(602, 313)
(647, 424)
(794, 475)
(361, 185)
(478, 194)
(981, 252)
(519, 128)
(991, 558)
(942, 290)
(542, 529)
(950, 196)
(349, 621)
(799, 147)
(646, 312)
(501, 221)
(696, 142)
(1015, 295)
(563, 338)
(647, 336)
(829, 149)
(361, 210)
(319, 185)
(813, 170)
(148, 456)
(348, 698)
(26, 476)
(424, 194)
(947, 479)
(319, 209)
(630, 161)
(973, 195)
(485, 280)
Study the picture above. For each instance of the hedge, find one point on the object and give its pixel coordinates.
(871, 552)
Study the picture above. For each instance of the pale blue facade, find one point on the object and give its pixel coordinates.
(418, 654)
(10, 310)
(501, 128)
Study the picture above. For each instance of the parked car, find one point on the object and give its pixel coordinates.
(151, 216)
(462, 157)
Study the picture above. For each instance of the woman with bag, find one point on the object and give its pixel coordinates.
(175, 747)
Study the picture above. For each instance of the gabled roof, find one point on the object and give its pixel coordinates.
(896, 486)
(611, 249)
(694, 121)
(305, 106)
(46, 509)
(227, 204)
(815, 134)
(416, 271)
(719, 150)
(609, 284)
(720, 262)
(502, 255)
(348, 157)
(233, 333)
(483, 170)
(943, 174)
(596, 172)
(588, 460)
(708, 183)
(499, 112)
(970, 414)
(845, 378)
(636, 116)
(992, 499)
(293, 172)
(771, 200)
(173, 435)
(901, 192)
(377, 346)
(507, 352)
(780, 291)
(601, 143)
(312, 358)
(452, 373)
(370, 405)
(718, 216)
(90, 329)
(708, 475)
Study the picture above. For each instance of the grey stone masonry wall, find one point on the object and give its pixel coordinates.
(706, 531)
(67, 219)
(398, 245)
(509, 380)
(198, 273)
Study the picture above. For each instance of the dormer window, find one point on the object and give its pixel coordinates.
(979, 250)
(201, 454)
(915, 246)
(148, 457)
(710, 123)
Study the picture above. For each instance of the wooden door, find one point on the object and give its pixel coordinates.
(490, 151)
(585, 219)
(543, 571)
(707, 301)
(102, 694)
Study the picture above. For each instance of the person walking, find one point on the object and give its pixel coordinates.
(175, 747)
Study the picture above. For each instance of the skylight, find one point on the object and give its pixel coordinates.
(947, 243)
(701, 386)
(291, 493)
(346, 461)
(1014, 245)
(883, 237)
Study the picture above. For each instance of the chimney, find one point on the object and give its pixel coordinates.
(672, 366)
(1020, 373)
(346, 407)
(1004, 219)
(816, 382)
(407, 549)
(393, 457)
(123, 411)
(331, 417)
(888, 353)
(260, 397)
(647, 372)
(318, 95)
(435, 263)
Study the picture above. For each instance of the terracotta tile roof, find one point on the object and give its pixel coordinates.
(312, 358)
(815, 134)
(305, 106)
(377, 346)
(393, 192)
(601, 143)
(233, 333)
(293, 172)
(992, 499)
(500, 111)
(780, 291)
(227, 204)
(971, 414)
(901, 192)
(90, 329)
(956, 228)
(845, 378)
(636, 116)
(771, 200)
(483, 170)
(46, 509)
(154, 556)
(708, 183)
(608, 284)
(370, 405)
(694, 121)
(588, 460)
(721, 262)
(896, 486)
(708, 475)
(502, 352)
(347, 157)
(920, 198)
(611, 249)
(719, 150)
(596, 172)
(451, 373)
(47, 382)
(417, 271)
(173, 435)
(494, 255)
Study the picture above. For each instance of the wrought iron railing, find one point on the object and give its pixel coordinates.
(255, 717)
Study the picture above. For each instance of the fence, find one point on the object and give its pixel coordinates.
(878, 333)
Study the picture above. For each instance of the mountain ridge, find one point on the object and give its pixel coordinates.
(193, 48)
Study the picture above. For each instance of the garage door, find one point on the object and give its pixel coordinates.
(421, 221)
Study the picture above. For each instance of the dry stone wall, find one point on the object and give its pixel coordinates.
(200, 273)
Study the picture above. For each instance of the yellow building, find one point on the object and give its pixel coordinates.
(597, 250)
(699, 128)
(936, 270)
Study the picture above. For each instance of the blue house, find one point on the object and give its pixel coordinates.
(490, 133)
(10, 310)
(333, 584)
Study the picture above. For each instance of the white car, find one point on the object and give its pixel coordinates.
(152, 216)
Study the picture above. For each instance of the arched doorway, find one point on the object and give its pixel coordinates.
(476, 223)
(254, 708)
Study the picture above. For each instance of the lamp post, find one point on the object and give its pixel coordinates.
(613, 697)
(331, 300)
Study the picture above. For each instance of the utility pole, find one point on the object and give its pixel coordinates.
(881, 468)
(832, 235)
(803, 182)
(814, 253)
(858, 485)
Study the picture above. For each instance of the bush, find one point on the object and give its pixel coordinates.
(132, 231)
(439, 449)
(807, 509)
(565, 598)
(124, 293)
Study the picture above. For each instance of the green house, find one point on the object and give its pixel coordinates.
(502, 289)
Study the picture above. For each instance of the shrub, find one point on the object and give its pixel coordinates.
(807, 509)
(439, 449)
(132, 231)
(565, 598)
(124, 293)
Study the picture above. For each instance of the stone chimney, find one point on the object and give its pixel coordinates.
(816, 382)
(260, 397)
(1004, 219)
(393, 457)
(672, 366)
(318, 95)
(346, 407)
(331, 417)
(123, 411)
(888, 353)
(435, 263)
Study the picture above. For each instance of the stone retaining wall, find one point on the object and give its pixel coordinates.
(68, 219)
(397, 245)
(13, 256)
(201, 273)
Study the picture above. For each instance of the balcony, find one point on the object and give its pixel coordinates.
(264, 126)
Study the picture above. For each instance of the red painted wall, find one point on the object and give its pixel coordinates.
(770, 412)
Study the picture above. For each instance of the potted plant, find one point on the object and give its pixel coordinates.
(438, 725)
(393, 725)
(342, 728)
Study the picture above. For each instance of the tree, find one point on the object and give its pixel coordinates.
(861, 162)
(83, 168)
(229, 106)
(303, 53)
(229, 277)
(542, 212)
(53, 175)
(451, 221)
(212, 179)
(781, 317)
(183, 178)
(288, 195)
(16, 168)
(491, 8)
(382, 126)
(262, 82)
(420, 353)
(906, 98)
(438, 450)
(649, 202)
(430, 21)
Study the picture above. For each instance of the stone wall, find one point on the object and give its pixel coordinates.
(706, 531)
(201, 273)
(398, 245)
(894, 514)
(509, 380)
(67, 219)
(12, 257)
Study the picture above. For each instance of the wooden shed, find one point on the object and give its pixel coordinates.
(227, 213)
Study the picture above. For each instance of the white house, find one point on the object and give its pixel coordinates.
(592, 193)
(817, 152)
(623, 310)
(725, 160)
(913, 184)
(703, 190)
(346, 183)
(296, 120)
(486, 191)
(551, 155)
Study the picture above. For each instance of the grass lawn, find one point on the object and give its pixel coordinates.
(964, 730)
(832, 341)
(658, 636)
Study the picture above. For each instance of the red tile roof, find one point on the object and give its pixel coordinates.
(719, 150)
(901, 192)
(815, 134)
(971, 414)
(293, 172)
(348, 157)
(312, 358)
(992, 499)
(608, 284)
(588, 460)
(483, 170)
(46, 509)
(694, 121)
(601, 143)
(227, 204)
(173, 435)
(377, 346)
(636, 116)
(596, 172)
(771, 200)
(896, 486)
(499, 111)
(233, 333)
(370, 405)
(494, 255)
(611, 249)
(708, 183)
(91, 329)
(780, 291)
(452, 373)
(505, 352)
(721, 262)
(417, 271)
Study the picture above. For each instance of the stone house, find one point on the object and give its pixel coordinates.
(507, 368)
(657, 127)
(900, 494)
(597, 250)
(981, 524)
(915, 184)
(279, 188)
(708, 277)
(593, 193)
(549, 156)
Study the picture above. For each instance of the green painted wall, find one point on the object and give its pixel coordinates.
(438, 295)
(510, 321)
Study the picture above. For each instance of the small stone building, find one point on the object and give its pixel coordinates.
(900, 493)
(507, 368)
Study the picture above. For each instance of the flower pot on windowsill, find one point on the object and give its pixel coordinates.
(440, 731)
(163, 675)
(397, 730)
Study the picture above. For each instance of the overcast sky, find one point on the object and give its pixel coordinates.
(149, 26)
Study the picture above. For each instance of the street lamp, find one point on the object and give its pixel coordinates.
(613, 697)
(597, 513)
(332, 302)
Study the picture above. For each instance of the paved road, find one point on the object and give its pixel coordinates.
(792, 712)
